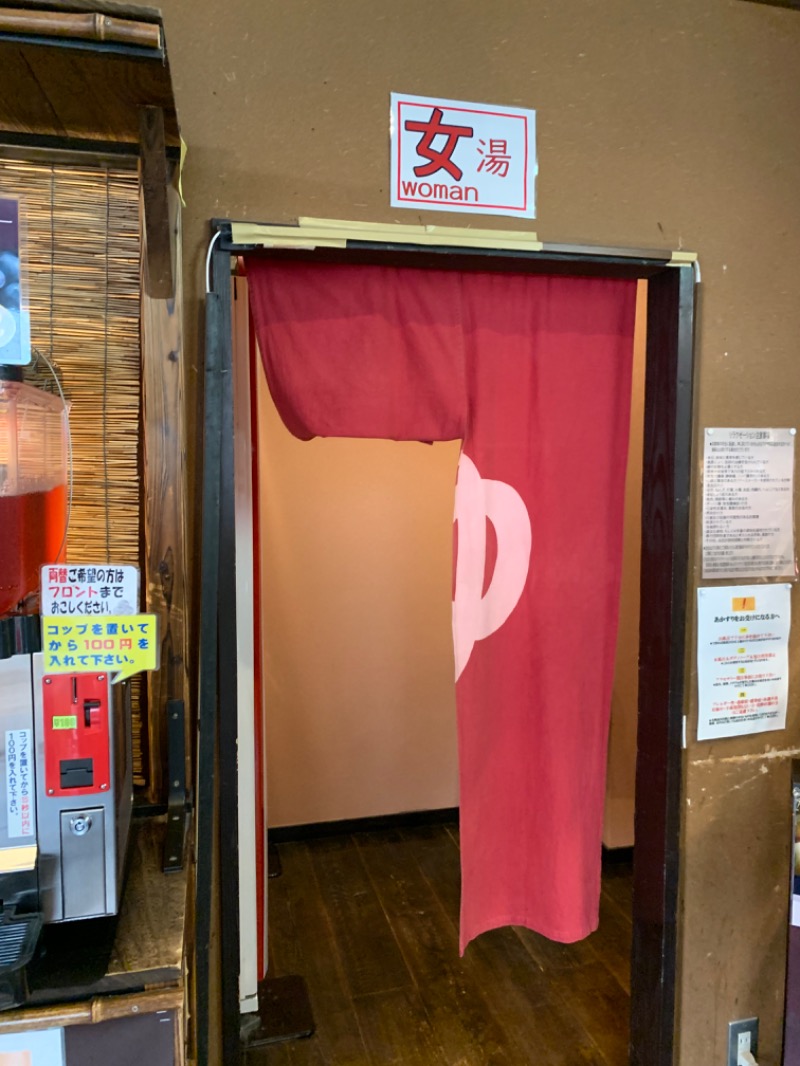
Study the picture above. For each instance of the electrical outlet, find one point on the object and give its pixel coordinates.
(742, 1036)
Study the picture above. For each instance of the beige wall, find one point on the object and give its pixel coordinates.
(666, 123)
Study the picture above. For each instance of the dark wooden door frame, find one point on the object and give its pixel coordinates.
(665, 560)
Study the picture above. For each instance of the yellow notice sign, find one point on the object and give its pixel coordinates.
(123, 645)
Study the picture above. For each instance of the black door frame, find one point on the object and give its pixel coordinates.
(665, 571)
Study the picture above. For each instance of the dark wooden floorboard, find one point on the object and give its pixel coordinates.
(554, 956)
(538, 1026)
(286, 954)
(368, 949)
(438, 859)
(596, 1000)
(618, 884)
(270, 1055)
(396, 1030)
(611, 942)
(371, 921)
(498, 962)
(302, 941)
(464, 1026)
(304, 1052)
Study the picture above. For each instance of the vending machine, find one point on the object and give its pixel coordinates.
(65, 765)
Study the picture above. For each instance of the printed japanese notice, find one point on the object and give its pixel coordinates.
(748, 493)
(20, 791)
(450, 155)
(89, 590)
(742, 659)
(123, 645)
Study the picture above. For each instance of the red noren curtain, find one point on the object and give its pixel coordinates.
(534, 375)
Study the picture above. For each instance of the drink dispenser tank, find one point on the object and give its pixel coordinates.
(33, 489)
(65, 769)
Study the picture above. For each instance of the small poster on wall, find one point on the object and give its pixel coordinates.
(124, 644)
(41, 1048)
(742, 659)
(450, 155)
(89, 589)
(748, 503)
(15, 341)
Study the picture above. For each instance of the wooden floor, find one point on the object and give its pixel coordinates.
(371, 921)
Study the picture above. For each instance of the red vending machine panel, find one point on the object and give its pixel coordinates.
(76, 734)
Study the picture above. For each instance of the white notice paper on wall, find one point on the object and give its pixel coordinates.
(89, 589)
(20, 788)
(742, 659)
(748, 493)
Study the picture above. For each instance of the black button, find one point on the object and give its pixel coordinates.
(88, 707)
(77, 773)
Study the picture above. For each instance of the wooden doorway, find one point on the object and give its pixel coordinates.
(665, 519)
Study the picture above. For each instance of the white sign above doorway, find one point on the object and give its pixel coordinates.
(449, 155)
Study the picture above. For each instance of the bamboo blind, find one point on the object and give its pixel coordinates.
(81, 253)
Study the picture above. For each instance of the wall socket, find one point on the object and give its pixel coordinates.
(742, 1036)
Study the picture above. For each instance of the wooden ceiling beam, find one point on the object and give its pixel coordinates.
(794, 4)
(159, 267)
(87, 26)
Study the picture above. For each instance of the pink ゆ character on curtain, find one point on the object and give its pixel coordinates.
(478, 614)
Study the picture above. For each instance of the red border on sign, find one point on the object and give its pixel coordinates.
(469, 111)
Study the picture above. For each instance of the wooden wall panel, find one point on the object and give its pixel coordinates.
(81, 266)
(662, 124)
(164, 508)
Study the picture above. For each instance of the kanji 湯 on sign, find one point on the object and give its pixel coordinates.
(456, 156)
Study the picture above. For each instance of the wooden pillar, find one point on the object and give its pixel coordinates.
(164, 462)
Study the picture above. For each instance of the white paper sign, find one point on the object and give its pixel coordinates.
(89, 590)
(20, 789)
(449, 155)
(44, 1047)
(742, 659)
(748, 493)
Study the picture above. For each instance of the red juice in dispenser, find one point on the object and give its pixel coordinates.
(33, 489)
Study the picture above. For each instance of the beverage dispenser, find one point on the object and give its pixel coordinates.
(65, 769)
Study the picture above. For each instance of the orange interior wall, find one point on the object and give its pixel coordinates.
(621, 780)
(356, 541)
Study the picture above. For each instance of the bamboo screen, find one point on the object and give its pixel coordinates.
(81, 251)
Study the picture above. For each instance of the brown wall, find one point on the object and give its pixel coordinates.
(671, 124)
